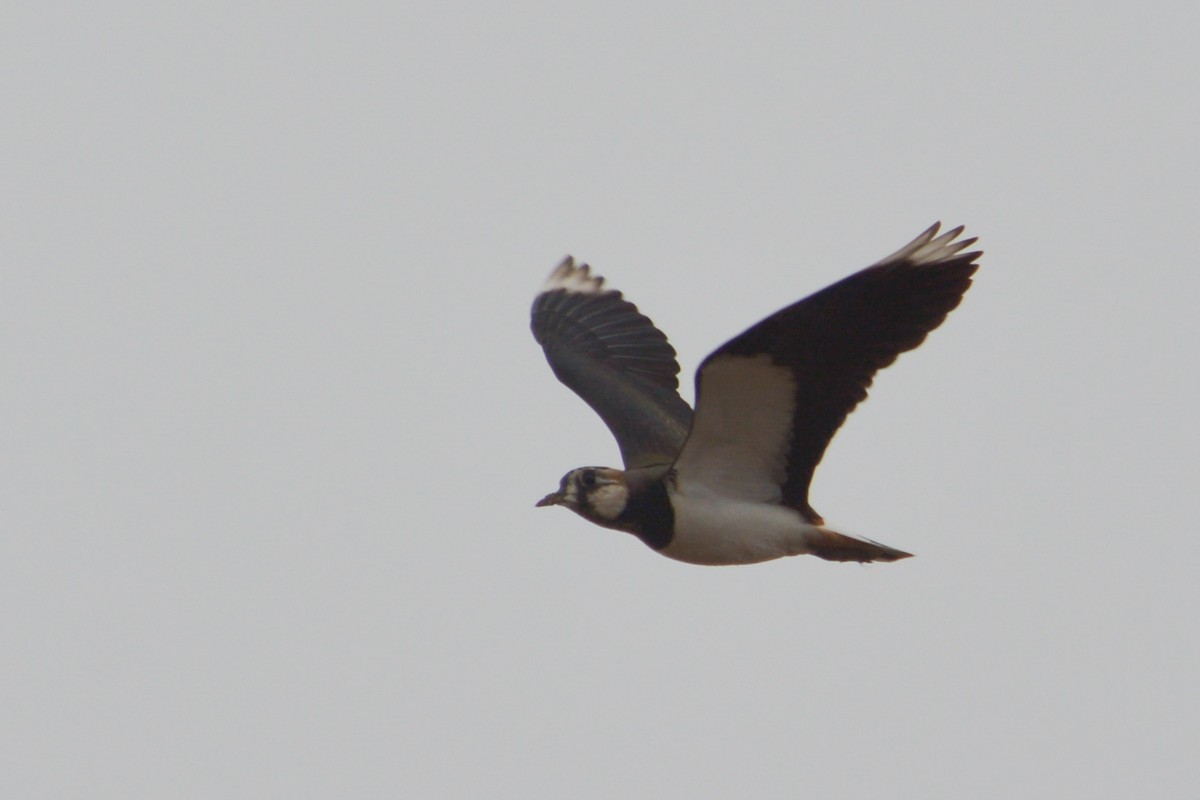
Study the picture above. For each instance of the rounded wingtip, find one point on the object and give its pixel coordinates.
(930, 248)
(573, 277)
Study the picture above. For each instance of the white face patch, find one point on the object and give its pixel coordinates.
(598, 494)
(608, 500)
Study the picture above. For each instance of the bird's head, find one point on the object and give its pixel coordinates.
(598, 494)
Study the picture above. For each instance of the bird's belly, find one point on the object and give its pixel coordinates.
(715, 530)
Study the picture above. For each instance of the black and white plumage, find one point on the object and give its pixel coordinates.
(729, 482)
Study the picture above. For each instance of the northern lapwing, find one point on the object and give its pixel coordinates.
(728, 483)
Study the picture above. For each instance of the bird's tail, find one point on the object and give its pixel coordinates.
(834, 546)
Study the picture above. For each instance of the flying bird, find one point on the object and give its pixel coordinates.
(728, 482)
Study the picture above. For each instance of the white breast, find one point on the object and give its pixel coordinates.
(715, 530)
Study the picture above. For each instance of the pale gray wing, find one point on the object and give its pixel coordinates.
(613, 357)
(769, 401)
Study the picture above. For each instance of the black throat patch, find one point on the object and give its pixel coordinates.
(648, 515)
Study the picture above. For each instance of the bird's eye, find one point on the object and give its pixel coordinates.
(588, 478)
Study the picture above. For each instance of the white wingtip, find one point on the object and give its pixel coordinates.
(929, 248)
(574, 278)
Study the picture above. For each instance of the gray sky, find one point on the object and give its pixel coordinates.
(277, 424)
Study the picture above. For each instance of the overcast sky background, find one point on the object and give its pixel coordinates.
(276, 424)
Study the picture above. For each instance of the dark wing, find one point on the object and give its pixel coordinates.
(613, 357)
(773, 397)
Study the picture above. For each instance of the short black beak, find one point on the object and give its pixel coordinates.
(552, 499)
